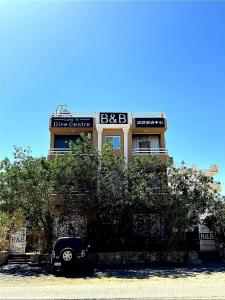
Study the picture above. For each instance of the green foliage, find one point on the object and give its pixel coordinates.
(111, 179)
(25, 190)
(115, 190)
(188, 199)
(76, 172)
(147, 182)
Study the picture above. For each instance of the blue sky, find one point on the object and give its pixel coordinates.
(115, 56)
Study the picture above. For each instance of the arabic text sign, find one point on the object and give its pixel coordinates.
(150, 122)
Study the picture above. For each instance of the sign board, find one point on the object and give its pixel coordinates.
(72, 122)
(150, 122)
(18, 241)
(113, 118)
(207, 239)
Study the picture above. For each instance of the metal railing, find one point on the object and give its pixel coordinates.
(58, 151)
(149, 151)
(149, 115)
(135, 151)
(73, 115)
(94, 114)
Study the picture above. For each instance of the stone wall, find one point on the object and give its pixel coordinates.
(145, 257)
(130, 257)
(72, 224)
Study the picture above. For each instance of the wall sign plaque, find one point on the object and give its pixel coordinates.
(72, 122)
(113, 118)
(18, 241)
(207, 239)
(150, 122)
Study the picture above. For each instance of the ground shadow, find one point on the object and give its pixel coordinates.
(148, 271)
(124, 272)
(23, 271)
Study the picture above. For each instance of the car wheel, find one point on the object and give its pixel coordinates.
(67, 255)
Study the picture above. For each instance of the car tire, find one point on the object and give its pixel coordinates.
(88, 267)
(56, 271)
(67, 255)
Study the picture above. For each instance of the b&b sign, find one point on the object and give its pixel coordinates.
(207, 236)
(113, 118)
(207, 239)
(18, 241)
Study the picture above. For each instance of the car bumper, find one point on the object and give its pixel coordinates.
(57, 264)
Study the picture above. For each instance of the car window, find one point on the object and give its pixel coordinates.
(76, 244)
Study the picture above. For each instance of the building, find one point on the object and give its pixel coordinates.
(131, 134)
(211, 172)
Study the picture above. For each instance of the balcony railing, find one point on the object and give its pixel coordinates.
(149, 151)
(94, 115)
(74, 115)
(148, 115)
(58, 151)
(135, 151)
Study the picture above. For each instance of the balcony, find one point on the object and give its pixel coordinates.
(149, 151)
(147, 144)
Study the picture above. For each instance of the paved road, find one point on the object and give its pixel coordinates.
(205, 282)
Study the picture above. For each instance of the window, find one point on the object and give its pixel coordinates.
(114, 140)
(146, 141)
(61, 141)
(144, 144)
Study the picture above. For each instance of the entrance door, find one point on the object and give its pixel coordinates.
(18, 242)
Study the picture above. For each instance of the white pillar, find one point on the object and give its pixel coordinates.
(99, 130)
(125, 143)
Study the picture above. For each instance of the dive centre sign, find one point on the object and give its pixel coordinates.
(72, 122)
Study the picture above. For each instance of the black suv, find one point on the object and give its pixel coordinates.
(70, 252)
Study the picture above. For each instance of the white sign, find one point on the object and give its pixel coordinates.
(18, 241)
(207, 239)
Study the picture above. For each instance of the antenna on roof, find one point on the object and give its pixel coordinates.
(62, 109)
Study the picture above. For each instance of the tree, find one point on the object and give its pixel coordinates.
(113, 197)
(189, 197)
(106, 185)
(147, 182)
(76, 173)
(215, 217)
(25, 188)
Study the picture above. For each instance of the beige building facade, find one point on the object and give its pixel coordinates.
(212, 171)
(131, 134)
